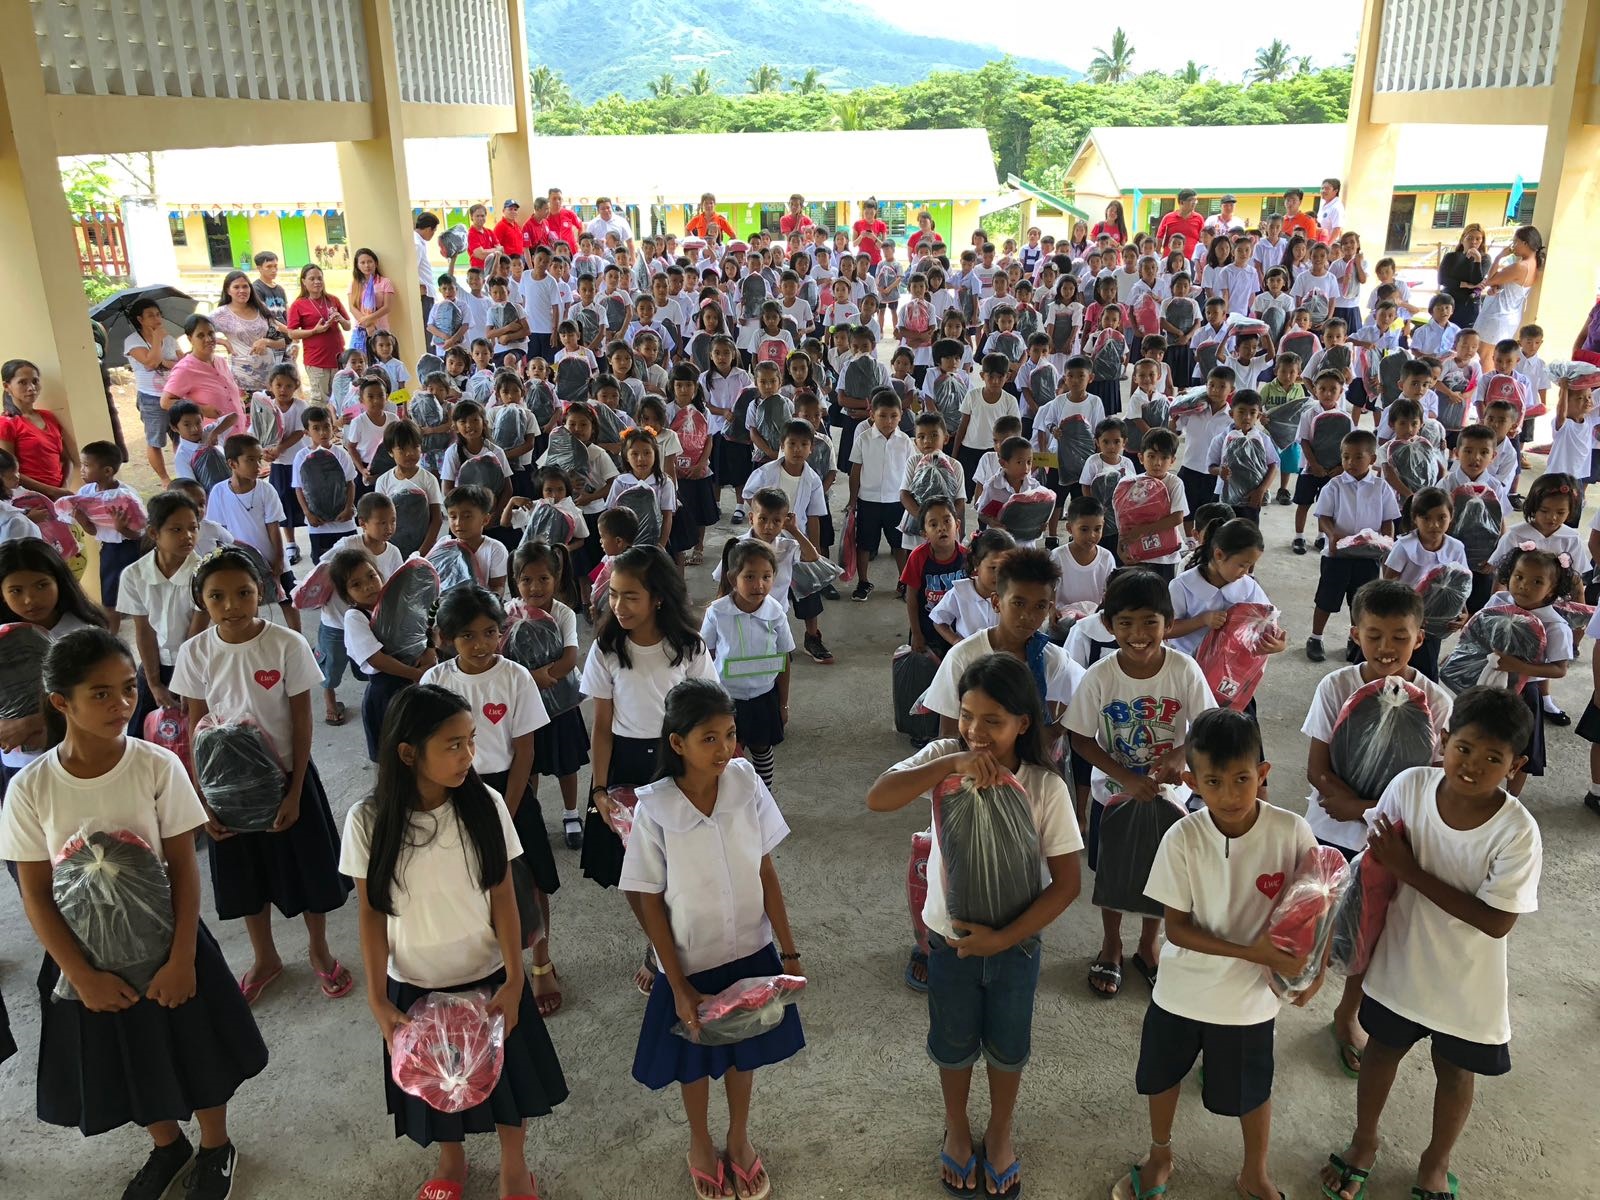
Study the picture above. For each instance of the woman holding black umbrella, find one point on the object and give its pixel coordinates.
(152, 352)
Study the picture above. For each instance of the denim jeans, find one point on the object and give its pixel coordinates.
(981, 1006)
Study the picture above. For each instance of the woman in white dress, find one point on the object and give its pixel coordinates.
(1505, 292)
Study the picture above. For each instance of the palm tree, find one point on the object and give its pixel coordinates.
(849, 112)
(1114, 65)
(663, 86)
(1190, 74)
(547, 89)
(1302, 65)
(765, 78)
(810, 82)
(701, 83)
(1272, 63)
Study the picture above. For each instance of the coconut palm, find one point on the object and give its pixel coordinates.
(765, 78)
(1116, 64)
(1302, 65)
(663, 86)
(701, 83)
(1190, 74)
(849, 112)
(1273, 63)
(810, 82)
(547, 89)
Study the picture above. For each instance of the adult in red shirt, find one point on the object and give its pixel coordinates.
(1115, 225)
(708, 221)
(795, 220)
(563, 223)
(925, 232)
(508, 231)
(317, 321)
(480, 238)
(44, 450)
(1183, 219)
(869, 232)
(1296, 221)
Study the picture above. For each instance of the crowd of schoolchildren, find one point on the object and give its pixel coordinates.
(1067, 452)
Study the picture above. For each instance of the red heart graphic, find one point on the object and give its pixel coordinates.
(268, 679)
(1270, 885)
(495, 712)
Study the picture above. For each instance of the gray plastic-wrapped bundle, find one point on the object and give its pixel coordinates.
(23, 646)
(1384, 728)
(752, 295)
(572, 380)
(210, 467)
(404, 612)
(1444, 592)
(454, 564)
(482, 470)
(617, 310)
(540, 398)
(412, 515)
(453, 241)
(428, 413)
(773, 413)
(1104, 489)
(948, 393)
(112, 891)
(1154, 413)
(1416, 462)
(238, 773)
(932, 477)
(988, 849)
(567, 453)
(550, 524)
(1063, 330)
(641, 501)
(1043, 385)
(266, 422)
(1009, 344)
(534, 641)
(1328, 429)
(323, 483)
(271, 585)
(1498, 629)
(1248, 464)
(1477, 521)
(509, 425)
(809, 578)
(1130, 833)
(1074, 445)
(607, 423)
(911, 674)
(861, 377)
(1025, 515)
(1283, 421)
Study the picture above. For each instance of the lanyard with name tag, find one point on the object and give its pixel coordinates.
(745, 664)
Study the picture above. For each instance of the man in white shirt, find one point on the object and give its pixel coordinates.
(609, 221)
(1224, 221)
(425, 226)
(1330, 215)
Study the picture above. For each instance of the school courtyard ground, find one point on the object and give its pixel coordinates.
(858, 1113)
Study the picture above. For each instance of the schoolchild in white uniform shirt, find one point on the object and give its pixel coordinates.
(747, 632)
(156, 593)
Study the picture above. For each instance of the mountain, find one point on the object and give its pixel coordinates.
(617, 45)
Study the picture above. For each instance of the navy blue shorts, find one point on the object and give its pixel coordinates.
(1238, 1060)
(1341, 578)
(874, 519)
(1307, 487)
(981, 1007)
(1389, 1028)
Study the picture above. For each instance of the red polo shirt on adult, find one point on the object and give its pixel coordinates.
(479, 243)
(867, 235)
(1302, 223)
(566, 226)
(508, 235)
(1175, 222)
(536, 233)
(794, 222)
(700, 225)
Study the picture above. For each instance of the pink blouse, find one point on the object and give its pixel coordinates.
(207, 383)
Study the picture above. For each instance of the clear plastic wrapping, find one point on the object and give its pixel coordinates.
(412, 514)
(1144, 501)
(103, 511)
(210, 467)
(1231, 656)
(1444, 593)
(450, 1053)
(238, 772)
(1500, 628)
(917, 884)
(910, 675)
(112, 891)
(1247, 462)
(1302, 918)
(772, 415)
(932, 477)
(1130, 833)
(623, 802)
(1074, 445)
(1025, 515)
(1416, 462)
(23, 646)
(1154, 413)
(404, 613)
(744, 1010)
(1362, 912)
(316, 590)
(1328, 429)
(1477, 521)
(569, 454)
(509, 425)
(1384, 728)
(454, 564)
(948, 393)
(482, 470)
(323, 484)
(534, 641)
(988, 850)
(641, 501)
(809, 578)
(1365, 543)
(693, 430)
(1283, 421)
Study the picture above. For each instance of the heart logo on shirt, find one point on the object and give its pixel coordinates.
(495, 712)
(1270, 885)
(268, 679)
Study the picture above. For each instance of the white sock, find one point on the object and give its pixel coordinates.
(1594, 787)
(1315, 637)
(1550, 704)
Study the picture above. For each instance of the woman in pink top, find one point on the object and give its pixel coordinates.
(371, 294)
(203, 378)
(44, 450)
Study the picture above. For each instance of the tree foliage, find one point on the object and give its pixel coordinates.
(1113, 65)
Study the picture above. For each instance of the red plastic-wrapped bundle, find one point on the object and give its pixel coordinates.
(1361, 914)
(917, 884)
(450, 1054)
(1302, 919)
(744, 1010)
(1368, 543)
(1231, 656)
(53, 531)
(932, 477)
(624, 800)
(316, 590)
(847, 547)
(1500, 628)
(1144, 501)
(1384, 728)
(112, 891)
(103, 511)
(169, 729)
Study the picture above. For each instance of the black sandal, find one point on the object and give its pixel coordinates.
(1106, 972)
(1147, 972)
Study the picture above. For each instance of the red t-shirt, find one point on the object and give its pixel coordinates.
(1302, 223)
(508, 236)
(536, 233)
(1109, 228)
(38, 450)
(479, 243)
(699, 224)
(917, 238)
(323, 349)
(566, 226)
(1176, 222)
(873, 230)
(790, 222)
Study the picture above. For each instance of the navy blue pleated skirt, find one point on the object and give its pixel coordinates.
(101, 1071)
(633, 764)
(531, 1083)
(535, 839)
(561, 748)
(664, 1058)
(296, 871)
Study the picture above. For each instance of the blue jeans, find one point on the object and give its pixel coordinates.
(981, 1006)
(330, 654)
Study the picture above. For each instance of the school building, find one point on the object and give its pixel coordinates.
(1445, 178)
(223, 207)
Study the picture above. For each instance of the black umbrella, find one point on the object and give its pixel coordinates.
(113, 313)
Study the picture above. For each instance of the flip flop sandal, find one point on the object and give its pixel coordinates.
(646, 967)
(337, 718)
(718, 1183)
(744, 1186)
(252, 988)
(553, 999)
(1455, 1190)
(331, 988)
(1347, 1051)
(1008, 1183)
(1146, 971)
(970, 1167)
(1129, 1187)
(533, 1195)
(440, 1189)
(1244, 1195)
(1347, 1176)
(1106, 972)
(918, 958)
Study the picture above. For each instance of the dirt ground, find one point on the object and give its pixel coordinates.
(858, 1112)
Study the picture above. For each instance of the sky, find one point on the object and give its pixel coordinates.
(1165, 33)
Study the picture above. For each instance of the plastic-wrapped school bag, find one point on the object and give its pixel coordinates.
(948, 394)
(568, 454)
(1500, 628)
(616, 310)
(932, 477)
(509, 425)
(169, 729)
(342, 395)
(59, 535)
(1416, 462)
(847, 546)
(404, 611)
(988, 850)
(1104, 489)
(624, 803)
(323, 483)
(1247, 462)
(265, 421)
(1009, 344)
(1155, 413)
(861, 377)
(916, 316)
(482, 470)
(1433, 433)
(1361, 914)
(1283, 421)
(607, 424)
(1328, 430)
(772, 414)
(911, 674)
(450, 1052)
(111, 889)
(210, 467)
(1365, 543)
(103, 511)
(1384, 728)
(1477, 521)
(550, 524)
(540, 399)
(588, 322)
(1302, 918)
(1190, 404)
(738, 430)
(1074, 445)
(412, 515)
(1231, 656)
(752, 295)
(693, 431)
(534, 641)
(316, 590)
(1069, 615)
(743, 1010)
(1576, 615)
(809, 578)
(1108, 351)
(452, 242)
(1390, 367)
(1336, 358)
(1130, 832)
(572, 380)
(1274, 319)
(427, 412)
(1025, 514)
(271, 585)
(1043, 384)
(238, 772)
(479, 389)
(917, 884)
(1452, 413)
(1497, 386)
(1444, 592)
(641, 501)
(1146, 314)
(454, 564)
(427, 364)
(1299, 341)
(1143, 501)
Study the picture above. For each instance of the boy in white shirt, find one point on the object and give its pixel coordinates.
(375, 516)
(1198, 432)
(319, 436)
(1467, 857)
(1438, 337)
(120, 546)
(248, 507)
(879, 454)
(404, 444)
(1212, 994)
(1244, 406)
(1355, 499)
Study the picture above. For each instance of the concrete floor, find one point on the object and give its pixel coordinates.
(858, 1113)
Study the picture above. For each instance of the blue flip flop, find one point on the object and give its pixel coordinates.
(1008, 1183)
(963, 1170)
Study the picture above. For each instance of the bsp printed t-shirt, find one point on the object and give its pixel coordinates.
(1137, 721)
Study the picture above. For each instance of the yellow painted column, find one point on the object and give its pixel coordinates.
(1569, 184)
(1024, 220)
(841, 215)
(1370, 149)
(377, 193)
(511, 154)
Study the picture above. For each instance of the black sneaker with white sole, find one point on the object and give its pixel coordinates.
(863, 590)
(818, 652)
(1314, 650)
(212, 1174)
(160, 1169)
(1299, 546)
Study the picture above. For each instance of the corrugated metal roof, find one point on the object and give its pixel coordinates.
(1268, 158)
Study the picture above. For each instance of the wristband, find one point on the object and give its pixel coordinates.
(789, 957)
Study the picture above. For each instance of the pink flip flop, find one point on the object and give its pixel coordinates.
(332, 990)
(253, 988)
(744, 1181)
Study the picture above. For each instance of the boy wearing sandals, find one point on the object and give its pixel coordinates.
(1467, 856)
(1217, 875)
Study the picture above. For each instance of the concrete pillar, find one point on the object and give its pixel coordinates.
(511, 154)
(1024, 219)
(1569, 184)
(51, 328)
(1369, 167)
(377, 193)
(841, 215)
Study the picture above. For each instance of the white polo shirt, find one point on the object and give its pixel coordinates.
(805, 492)
(883, 462)
(1061, 674)
(168, 604)
(1414, 561)
(1355, 504)
(1194, 595)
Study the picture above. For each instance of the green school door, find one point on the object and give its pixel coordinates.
(239, 241)
(296, 247)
